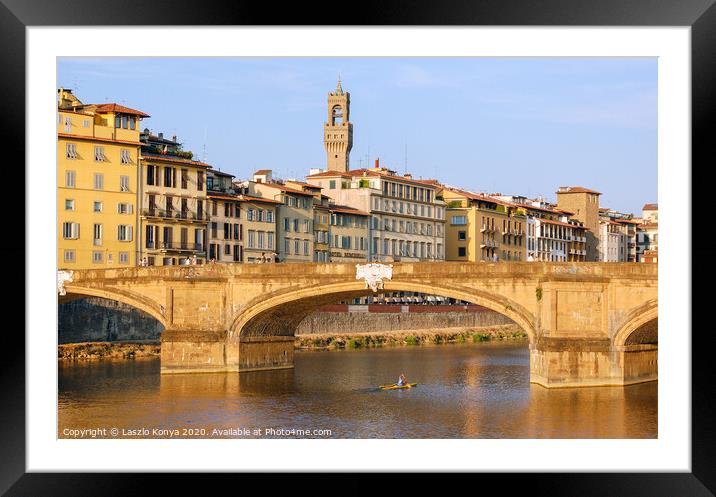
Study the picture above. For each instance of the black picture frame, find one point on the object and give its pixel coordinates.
(700, 15)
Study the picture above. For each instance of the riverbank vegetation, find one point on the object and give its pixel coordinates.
(409, 337)
(107, 350)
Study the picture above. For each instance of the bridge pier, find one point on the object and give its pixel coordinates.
(260, 353)
(573, 362)
(193, 351)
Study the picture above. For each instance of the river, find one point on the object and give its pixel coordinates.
(465, 391)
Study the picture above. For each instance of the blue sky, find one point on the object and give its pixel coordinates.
(509, 125)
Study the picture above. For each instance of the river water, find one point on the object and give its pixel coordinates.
(465, 391)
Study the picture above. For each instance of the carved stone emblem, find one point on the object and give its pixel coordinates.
(62, 278)
(374, 274)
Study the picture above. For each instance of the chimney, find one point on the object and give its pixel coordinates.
(377, 163)
(161, 135)
(408, 175)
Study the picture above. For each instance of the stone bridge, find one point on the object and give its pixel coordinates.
(587, 323)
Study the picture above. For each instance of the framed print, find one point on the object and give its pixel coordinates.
(476, 224)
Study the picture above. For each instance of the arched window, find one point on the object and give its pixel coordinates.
(337, 115)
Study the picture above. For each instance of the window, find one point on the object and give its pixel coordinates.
(269, 237)
(297, 247)
(295, 226)
(184, 178)
(200, 180)
(86, 123)
(261, 236)
(69, 256)
(70, 179)
(150, 174)
(124, 257)
(68, 124)
(71, 151)
(99, 154)
(70, 231)
(461, 235)
(461, 251)
(306, 225)
(124, 208)
(269, 216)
(305, 247)
(124, 156)
(168, 235)
(97, 234)
(97, 257)
(168, 177)
(124, 183)
(250, 215)
(99, 181)
(124, 233)
(69, 204)
(287, 245)
(458, 220)
(97, 206)
(332, 184)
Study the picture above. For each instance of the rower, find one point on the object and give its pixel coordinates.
(402, 380)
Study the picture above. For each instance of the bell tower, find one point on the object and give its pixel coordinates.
(338, 130)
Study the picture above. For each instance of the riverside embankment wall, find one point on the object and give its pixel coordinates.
(387, 318)
(101, 320)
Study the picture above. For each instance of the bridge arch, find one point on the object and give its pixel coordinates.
(132, 299)
(641, 319)
(281, 313)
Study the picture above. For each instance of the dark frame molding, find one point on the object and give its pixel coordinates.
(700, 15)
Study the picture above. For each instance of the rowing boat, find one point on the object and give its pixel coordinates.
(395, 386)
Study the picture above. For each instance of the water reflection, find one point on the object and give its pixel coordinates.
(465, 391)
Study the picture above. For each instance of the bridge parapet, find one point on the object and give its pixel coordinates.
(508, 269)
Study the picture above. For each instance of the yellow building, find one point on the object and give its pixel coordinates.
(97, 176)
(321, 229)
(174, 213)
(260, 226)
(348, 234)
(482, 228)
(583, 203)
(321, 219)
(294, 215)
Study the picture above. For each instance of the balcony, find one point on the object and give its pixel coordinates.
(175, 215)
(176, 246)
(488, 244)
